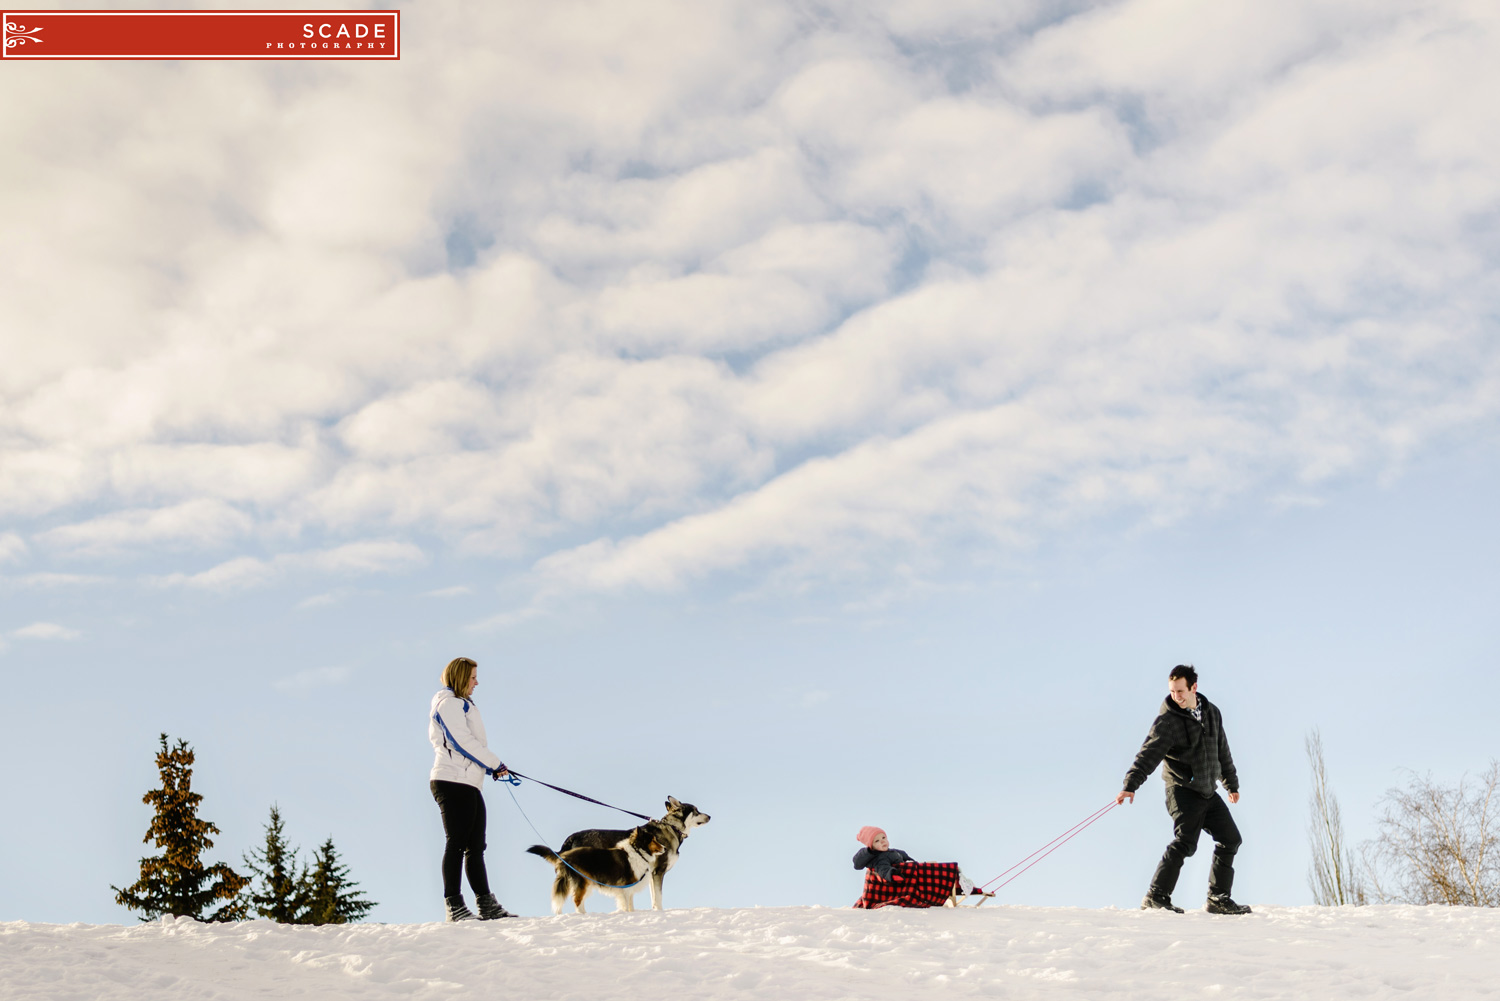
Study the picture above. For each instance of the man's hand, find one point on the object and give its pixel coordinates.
(1234, 797)
(1130, 796)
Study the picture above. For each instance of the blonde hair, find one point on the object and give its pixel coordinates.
(458, 674)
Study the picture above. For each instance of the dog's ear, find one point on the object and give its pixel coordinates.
(672, 803)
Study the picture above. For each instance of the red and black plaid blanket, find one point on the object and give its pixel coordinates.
(917, 884)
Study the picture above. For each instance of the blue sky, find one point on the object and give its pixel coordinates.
(826, 415)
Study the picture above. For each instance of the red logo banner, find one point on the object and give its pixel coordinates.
(201, 34)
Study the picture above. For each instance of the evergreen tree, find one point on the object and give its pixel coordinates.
(176, 881)
(333, 899)
(281, 893)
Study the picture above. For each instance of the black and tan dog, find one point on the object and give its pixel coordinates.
(679, 819)
(616, 870)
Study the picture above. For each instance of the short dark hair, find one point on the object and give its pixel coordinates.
(1186, 673)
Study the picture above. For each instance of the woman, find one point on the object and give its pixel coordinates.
(463, 759)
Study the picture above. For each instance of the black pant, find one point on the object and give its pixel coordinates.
(1193, 813)
(462, 808)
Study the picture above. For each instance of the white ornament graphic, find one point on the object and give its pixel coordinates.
(19, 34)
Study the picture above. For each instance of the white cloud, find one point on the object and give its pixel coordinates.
(45, 631)
(780, 287)
(457, 591)
(12, 548)
(236, 574)
(366, 557)
(759, 289)
(937, 163)
(682, 218)
(313, 678)
(35, 481)
(580, 440)
(202, 523)
(245, 572)
(322, 600)
(1002, 473)
(505, 620)
(431, 418)
(1184, 60)
(48, 581)
(261, 474)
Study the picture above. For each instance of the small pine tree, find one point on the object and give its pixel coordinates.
(281, 893)
(332, 897)
(176, 882)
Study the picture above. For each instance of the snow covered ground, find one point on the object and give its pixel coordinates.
(780, 953)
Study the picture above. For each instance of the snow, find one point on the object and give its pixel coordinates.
(779, 953)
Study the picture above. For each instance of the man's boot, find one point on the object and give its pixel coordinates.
(1220, 882)
(1222, 903)
(1156, 901)
(1159, 896)
(457, 909)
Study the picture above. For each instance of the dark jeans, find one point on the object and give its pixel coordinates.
(1193, 813)
(462, 808)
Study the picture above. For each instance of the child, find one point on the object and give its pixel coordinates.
(877, 855)
(895, 877)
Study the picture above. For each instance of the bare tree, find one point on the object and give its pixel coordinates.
(1333, 875)
(1439, 844)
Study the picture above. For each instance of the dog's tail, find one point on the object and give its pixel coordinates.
(545, 852)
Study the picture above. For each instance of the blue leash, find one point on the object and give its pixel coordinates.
(564, 861)
(516, 777)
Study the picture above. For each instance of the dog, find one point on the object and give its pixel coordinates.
(679, 819)
(616, 870)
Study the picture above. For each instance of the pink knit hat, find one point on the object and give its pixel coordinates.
(867, 836)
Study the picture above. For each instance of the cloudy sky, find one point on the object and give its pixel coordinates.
(829, 413)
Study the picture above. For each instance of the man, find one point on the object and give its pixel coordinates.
(1189, 734)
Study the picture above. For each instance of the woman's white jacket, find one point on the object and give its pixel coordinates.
(457, 735)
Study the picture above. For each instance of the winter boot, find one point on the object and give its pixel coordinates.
(1222, 903)
(490, 908)
(457, 909)
(1159, 902)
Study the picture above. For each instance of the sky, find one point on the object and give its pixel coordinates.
(827, 414)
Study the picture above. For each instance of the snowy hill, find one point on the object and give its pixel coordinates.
(779, 953)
